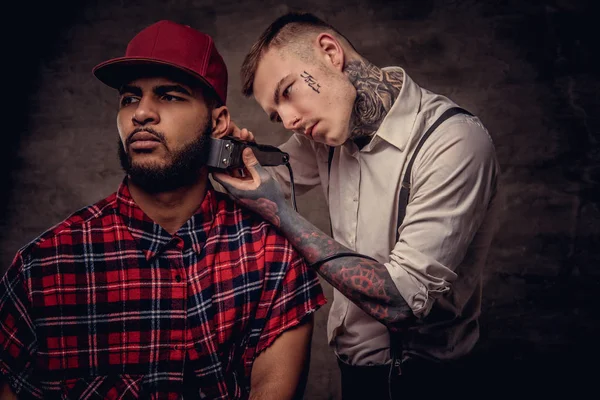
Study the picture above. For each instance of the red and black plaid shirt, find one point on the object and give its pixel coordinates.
(108, 304)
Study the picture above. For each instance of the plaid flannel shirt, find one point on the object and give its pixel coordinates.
(107, 304)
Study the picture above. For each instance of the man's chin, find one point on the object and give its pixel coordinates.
(157, 181)
(158, 171)
(147, 164)
(331, 139)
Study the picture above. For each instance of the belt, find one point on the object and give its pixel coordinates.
(410, 366)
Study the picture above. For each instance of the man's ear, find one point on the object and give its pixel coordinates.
(331, 48)
(220, 122)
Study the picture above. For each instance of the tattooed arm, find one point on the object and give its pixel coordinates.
(365, 282)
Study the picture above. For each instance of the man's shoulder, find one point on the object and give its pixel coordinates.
(79, 219)
(461, 143)
(229, 212)
(465, 131)
(239, 220)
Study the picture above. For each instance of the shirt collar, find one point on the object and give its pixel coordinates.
(152, 239)
(398, 124)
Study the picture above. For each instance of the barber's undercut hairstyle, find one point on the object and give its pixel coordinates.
(288, 30)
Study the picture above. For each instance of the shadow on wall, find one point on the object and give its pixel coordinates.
(539, 320)
(29, 44)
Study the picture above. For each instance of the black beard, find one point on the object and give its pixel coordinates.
(183, 170)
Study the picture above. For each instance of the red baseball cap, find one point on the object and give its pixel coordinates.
(173, 45)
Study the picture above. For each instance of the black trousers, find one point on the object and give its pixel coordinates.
(420, 378)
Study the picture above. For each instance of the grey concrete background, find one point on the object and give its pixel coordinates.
(527, 68)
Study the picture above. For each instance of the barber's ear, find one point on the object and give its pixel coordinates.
(331, 48)
(220, 122)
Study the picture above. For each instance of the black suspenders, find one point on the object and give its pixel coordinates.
(405, 189)
(396, 337)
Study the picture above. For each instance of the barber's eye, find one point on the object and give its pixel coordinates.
(287, 91)
(274, 117)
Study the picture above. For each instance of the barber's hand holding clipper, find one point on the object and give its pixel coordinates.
(342, 268)
(257, 190)
(360, 278)
(242, 134)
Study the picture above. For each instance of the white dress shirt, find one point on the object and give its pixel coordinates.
(444, 240)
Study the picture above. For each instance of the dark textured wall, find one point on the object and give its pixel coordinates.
(527, 68)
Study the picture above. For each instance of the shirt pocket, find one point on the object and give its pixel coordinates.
(103, 387)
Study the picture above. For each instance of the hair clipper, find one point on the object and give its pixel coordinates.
(226, 153)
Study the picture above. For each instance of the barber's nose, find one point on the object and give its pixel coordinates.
(145, 113)
(291, 123)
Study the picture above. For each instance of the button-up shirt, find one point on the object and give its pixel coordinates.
(109, 304)
(443, 242)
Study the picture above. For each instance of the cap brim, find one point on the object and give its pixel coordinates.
(119, 71)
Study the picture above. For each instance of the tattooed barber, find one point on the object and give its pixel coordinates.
(412, 190)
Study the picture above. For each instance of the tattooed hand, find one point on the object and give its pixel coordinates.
(258, 192)
(365, 282)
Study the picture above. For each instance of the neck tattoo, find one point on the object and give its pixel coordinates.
(376, 91)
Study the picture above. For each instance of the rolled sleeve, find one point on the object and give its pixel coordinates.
(453, 183)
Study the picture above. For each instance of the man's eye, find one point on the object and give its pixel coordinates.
(274, 117)
(170, 97)
(126, 100)
(287, 91)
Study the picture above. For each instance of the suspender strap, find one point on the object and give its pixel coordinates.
(329, 159)
(396, 337)
(405, 189)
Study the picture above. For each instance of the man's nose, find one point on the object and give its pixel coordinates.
(291, 123)
(145, 113)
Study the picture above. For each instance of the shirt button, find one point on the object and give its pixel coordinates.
(177, 347)
(178, 278)
(178, 242)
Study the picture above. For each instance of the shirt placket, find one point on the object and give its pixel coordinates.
(350, 200)
(178, 277)
(347, 217)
